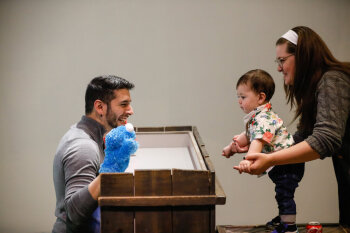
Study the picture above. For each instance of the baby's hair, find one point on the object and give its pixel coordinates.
(259, 81)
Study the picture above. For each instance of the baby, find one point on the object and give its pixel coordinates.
(266, 133)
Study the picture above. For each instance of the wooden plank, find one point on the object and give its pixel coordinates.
(206, 159)
(117, 219)
(220, 194)
(326, 228)
(178, 128)
(153, 219)
(149, 129)
(196, 152)
(212, 219)
(191, 219)
(159, 200)
(198, 138)
(163, 129)
(117, 184)
(209, 164)
(212, 178)
(153, 183)
(190, 182)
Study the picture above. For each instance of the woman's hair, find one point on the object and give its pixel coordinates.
(312, 60)
(259, 81)
(102, 88)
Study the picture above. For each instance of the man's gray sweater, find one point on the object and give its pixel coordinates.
(75, 166)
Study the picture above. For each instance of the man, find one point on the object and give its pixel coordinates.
(81, 151)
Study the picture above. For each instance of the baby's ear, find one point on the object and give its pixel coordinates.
(262, 98)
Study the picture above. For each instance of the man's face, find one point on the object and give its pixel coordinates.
(119, 109)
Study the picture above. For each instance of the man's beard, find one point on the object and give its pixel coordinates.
(113, 120)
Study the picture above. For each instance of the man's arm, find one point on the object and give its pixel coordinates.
(82, 184)
(95, 188)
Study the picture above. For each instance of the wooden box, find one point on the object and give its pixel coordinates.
(169, 186)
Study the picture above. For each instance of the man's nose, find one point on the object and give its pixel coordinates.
(130, 111)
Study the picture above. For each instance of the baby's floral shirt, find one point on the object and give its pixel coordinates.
(266, 125)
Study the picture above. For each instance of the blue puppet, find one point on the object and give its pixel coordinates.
(120, 144)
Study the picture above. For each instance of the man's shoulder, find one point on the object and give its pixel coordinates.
(77, 140)
(74, 133)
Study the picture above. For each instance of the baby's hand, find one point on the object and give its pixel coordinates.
(240, 149)
(241, 140)
(244, 166)
(229, 150)
(235, 137)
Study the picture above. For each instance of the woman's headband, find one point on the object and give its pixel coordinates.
(291, 36)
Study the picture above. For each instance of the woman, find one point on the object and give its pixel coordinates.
(318, 86)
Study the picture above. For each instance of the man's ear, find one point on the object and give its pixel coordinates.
(262, 98)
(100, 107)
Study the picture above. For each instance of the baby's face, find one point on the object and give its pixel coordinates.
(248, 100)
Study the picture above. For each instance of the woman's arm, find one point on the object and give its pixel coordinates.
(256, 146)
(301, 152)
(333, 106)
(333, 109)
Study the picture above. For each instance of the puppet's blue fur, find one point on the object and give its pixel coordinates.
(120, 144)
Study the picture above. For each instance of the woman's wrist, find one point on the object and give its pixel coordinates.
(272, 159)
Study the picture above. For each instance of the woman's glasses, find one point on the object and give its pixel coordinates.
(281, 60)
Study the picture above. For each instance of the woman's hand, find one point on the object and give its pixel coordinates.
(244, 166)
(259, 163)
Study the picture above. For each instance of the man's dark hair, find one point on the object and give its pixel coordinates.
(102, 88)
(259, 81)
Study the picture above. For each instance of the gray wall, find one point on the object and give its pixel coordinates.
(184, 57)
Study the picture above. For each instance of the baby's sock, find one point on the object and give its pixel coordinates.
(288, 219)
